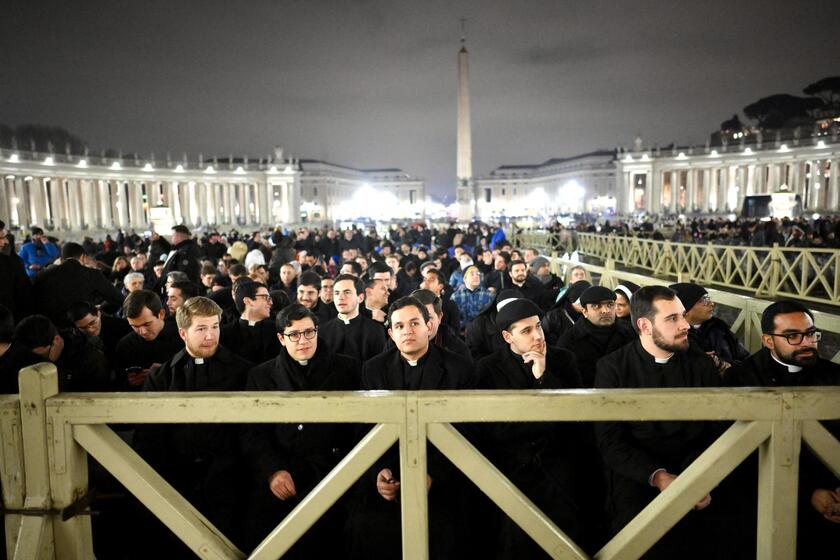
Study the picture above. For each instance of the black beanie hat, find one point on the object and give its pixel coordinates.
(576, 290)
(514, 310)
(689, 293)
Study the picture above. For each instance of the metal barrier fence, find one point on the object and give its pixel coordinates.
(58, 430)
(747, 323)
(803, 274)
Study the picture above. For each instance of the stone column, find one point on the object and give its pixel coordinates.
(203, 213)
(654, 199)
(23, 206)
(134, 209)
(750, 182)
(124, 196)
(743, 179)
(73, 198)
(675, 189)
(88, 195)
(5, 205)
(690, 191)
(184, 202)
(833, 199)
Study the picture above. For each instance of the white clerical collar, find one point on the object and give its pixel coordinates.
(412, 363)
(663, 360)
(790, 368)
(252, 323)
(344, 319)
(199, 361)
(303, 362)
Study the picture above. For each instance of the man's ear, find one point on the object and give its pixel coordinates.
(644, 325)
(768, 341)
(507, 336)
(183, 334)
(161, 313)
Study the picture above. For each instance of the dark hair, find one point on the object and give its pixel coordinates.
(437, 274)
(35, 331)
(371, 282)
(356, 267)
(7, 323)
(188, 289)
(291, 313)
(505, 256)
(81, 309)
(408, 301)
(377, 267)
(208, 268)
(642, 304)
(238, 270)
(136, 301)
(310, 278)
(511, 264)
(768, 318)
(358, 283)
(428, 297)
(36, 231)
(279, 299)
(246, 290)
(72, 250)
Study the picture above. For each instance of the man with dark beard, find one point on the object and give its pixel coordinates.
(288, 460)
(643, 458)
(790, 358)
(597, 333)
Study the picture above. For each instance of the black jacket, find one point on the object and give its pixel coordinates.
(558, 320)
(185, 257)
(255, 343)
(307, 451)
(202, 461)
(714, 335)
(589, 343)
(134, 351)
(16, 358)
(363, 338)
(58, 287)
(632, 451)
(15, 286)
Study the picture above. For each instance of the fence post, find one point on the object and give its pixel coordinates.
(775, 270)
(69, 482)
(413, 488)
(37, 383)
(555, 266)
(609, 270)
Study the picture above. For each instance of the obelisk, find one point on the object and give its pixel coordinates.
(468, 199)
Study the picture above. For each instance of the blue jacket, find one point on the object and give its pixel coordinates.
(42, 255)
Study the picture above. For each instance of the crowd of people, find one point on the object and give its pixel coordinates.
(819, 232)
(419, 309)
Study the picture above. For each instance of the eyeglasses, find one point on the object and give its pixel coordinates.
(706, 300)
(266, 297)
(796, 338)
(294, 336)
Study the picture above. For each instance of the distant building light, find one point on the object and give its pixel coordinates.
(11, 177)
(209, 169)
(179, 168)
(288, 169)
(15, 200)
(645, 157)
(629, 158)
(784, 148)
(28, 178)
(748, 151)
(116, 165)
(681, 155)
(239, 171)
(49, 160)
(82, 163)
(14, 158)
(272, 169)
(820, 145)
(714, 153)
(148, 167)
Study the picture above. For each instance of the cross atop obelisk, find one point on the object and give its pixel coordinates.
(464, 159)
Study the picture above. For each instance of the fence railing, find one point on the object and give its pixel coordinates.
(58, 430)
(747, 323)
(800, 273)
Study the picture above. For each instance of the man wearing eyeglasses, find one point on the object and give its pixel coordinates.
(253, 336)
(708, 334)
(790, 358)
(288, 460)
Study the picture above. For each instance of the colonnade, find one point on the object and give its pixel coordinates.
(687, 185)
(75, 201)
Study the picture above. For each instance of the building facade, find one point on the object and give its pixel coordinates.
(82, 194)
(715, 180)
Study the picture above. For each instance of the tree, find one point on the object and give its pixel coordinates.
(772, 112)
(827, 89)
(41, 136)
(732, 124)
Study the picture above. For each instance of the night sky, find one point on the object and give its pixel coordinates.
(373, 83)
